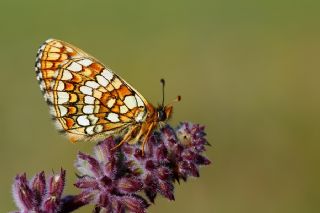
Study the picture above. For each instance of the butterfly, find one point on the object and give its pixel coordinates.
(89, 102)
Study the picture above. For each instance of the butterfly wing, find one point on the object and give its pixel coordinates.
(87, 100)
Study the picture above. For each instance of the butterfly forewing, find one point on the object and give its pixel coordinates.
(86, 99)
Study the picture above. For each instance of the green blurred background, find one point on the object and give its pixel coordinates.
(248, 70)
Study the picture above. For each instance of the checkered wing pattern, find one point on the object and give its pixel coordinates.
(87, 100)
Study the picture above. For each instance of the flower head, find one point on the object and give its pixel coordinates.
(113, 180)
(106, 182)
(39, 194)
(187, 155)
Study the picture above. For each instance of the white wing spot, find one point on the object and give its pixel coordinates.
(89, 130)
(113, 117)
(60, 86)
(123, 109)
(83, 120)
(111, 102)
(88, 109)
(75, 67)
(86, 90)
(140, 102)
(130, 101)
(63, 110)
(102, 81)
(92, 84)
(66, 75)
(107, 74)
(63, 97)
(85, 62)
(88, 99)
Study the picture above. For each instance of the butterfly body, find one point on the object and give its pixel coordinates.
(88, 101)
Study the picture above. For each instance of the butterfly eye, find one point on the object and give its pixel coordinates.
(161, 115)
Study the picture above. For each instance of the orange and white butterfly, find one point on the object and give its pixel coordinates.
(90, 102)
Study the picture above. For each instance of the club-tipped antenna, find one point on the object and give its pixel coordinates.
(163, 84)
(177, 99)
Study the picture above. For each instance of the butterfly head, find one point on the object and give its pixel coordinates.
(164, 112)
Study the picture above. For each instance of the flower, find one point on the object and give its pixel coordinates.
(114, 180)
(39, 194)
(188, 152)
(104, 179)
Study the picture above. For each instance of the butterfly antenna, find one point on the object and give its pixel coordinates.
(163, 84)
(178, 98)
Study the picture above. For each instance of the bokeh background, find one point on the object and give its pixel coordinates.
(248, 70)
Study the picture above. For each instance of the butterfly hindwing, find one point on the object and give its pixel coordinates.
(86, 99)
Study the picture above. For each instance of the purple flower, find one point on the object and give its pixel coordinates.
(125, 179)
(113, 179)
(151, 168)
(103, 178)
(38, 195)
(187, 154)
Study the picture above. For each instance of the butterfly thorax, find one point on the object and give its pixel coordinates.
(164, 113)
(158, 114)
(155, 117)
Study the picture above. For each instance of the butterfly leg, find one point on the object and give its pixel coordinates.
(146, 138)
(126, 138)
